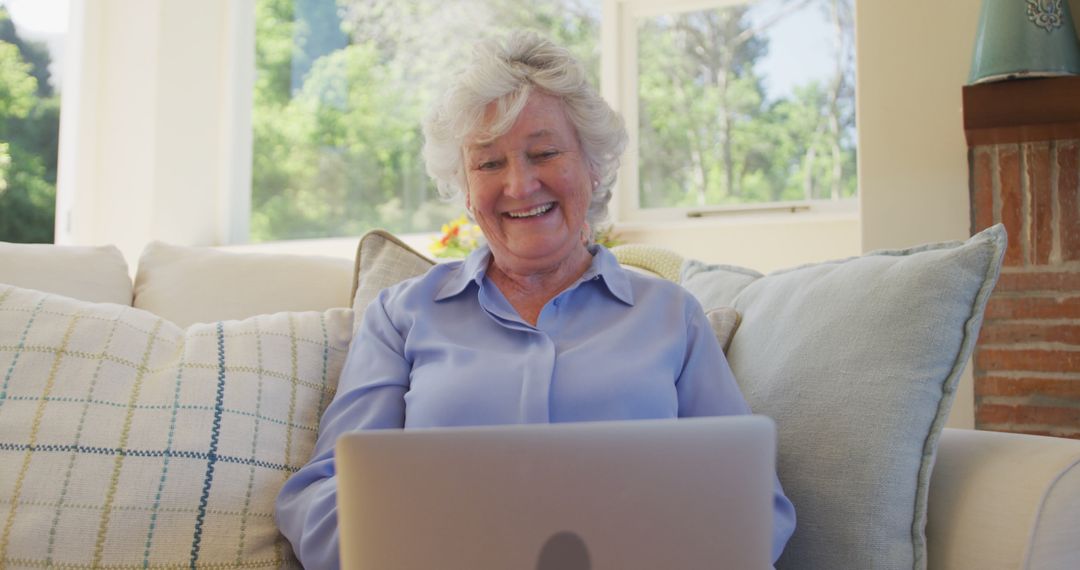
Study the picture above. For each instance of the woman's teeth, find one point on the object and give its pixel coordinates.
(537, 211)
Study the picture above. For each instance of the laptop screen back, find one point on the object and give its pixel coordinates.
(690, 493)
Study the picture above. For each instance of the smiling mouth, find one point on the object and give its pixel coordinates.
(531, 212)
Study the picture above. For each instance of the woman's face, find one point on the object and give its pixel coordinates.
(529, 188)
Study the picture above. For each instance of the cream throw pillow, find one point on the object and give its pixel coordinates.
(651, 259)
(129, 442)
(188, 285)
(97, 274)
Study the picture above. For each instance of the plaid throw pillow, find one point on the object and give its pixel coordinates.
(127, 441)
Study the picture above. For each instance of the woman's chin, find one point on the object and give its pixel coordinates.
(536, 254)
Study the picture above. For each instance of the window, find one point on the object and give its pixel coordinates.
(729, 103)
(341, 90)
(31, 44)
(733, 104)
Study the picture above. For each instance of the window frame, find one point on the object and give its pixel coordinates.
(619, 86)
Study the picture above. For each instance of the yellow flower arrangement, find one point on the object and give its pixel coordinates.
(607, 237)
(459, 237)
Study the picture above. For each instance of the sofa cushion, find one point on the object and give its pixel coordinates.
(97, 274)
(1005, 500)
(857, 361)
(126, 440)
(188, 285)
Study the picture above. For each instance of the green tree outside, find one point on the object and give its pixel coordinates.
(29, 133)
(343, 86)
(711, 134)
(338, 151)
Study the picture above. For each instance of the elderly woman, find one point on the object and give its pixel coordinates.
(540, 325)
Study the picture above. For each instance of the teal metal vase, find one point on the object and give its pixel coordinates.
(1024, 38)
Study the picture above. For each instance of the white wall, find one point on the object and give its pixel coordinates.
(913, 59)
(762, 242)
(144, 150)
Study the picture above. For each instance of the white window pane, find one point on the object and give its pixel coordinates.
(341, 91)
(750, 103)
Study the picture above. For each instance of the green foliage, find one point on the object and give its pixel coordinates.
(29, 130)
(343, 85)
(33, 53)
(17, 86)
(710, 132)
(338, 148)
(27, 203)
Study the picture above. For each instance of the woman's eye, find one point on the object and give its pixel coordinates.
(488, 165)
(546, 155)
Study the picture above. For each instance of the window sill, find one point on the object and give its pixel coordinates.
(771, 214)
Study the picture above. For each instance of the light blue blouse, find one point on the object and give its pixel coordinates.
(447, 349)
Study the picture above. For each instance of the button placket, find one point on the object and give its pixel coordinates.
(536, 382)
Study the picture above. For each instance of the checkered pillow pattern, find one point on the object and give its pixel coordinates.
(127, 441)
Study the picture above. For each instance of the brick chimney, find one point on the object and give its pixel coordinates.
(1024, 157)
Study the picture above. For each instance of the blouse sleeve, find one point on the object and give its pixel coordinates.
(370, 395)
(707, 387)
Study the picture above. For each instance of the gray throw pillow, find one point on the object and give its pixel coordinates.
(715, 285)
(857, 361)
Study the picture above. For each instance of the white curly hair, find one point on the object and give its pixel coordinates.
(506, 71)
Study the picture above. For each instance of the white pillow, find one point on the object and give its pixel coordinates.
(96, 274)
(201, 284)
(126, 440)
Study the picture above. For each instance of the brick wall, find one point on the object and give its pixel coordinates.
(1027, 361)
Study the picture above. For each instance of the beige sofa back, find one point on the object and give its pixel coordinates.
(88, 273)
(188, 285)
(184, 285)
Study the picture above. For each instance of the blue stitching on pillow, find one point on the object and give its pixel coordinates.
(182, 407)
(140, 453)
(20, 347)
(211, 460)
(166, 454)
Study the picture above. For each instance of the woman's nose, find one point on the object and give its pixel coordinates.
(523, 179)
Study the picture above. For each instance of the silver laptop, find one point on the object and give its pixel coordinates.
(649, 494)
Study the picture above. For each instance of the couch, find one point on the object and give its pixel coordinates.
(150, 422)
